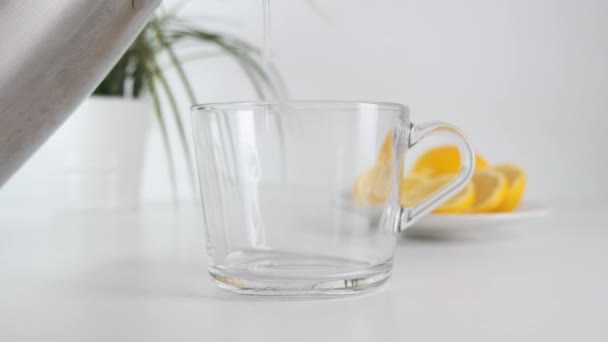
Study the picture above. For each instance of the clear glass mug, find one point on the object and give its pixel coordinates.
(276, 182)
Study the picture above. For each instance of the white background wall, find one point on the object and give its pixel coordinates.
(526, 79)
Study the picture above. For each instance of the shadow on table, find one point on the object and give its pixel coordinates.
(460, 236)
(153, 278)
(147, 278)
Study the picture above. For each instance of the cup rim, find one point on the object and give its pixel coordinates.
(249, 104)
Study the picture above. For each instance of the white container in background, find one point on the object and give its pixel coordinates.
(94, 161)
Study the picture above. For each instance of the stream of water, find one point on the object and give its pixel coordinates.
(267, 44)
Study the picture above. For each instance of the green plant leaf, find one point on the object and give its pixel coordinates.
(138, 71)
(176, 63)
(165, 137)
(178, 121)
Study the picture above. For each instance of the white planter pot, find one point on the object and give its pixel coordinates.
(94, 161)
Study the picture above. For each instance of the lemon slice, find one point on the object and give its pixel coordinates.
(490, 190)
(460, 203)
(443, 160)
(412, 196)
(374, 185)
(409, 182)
(516, 177)
(420, 188)
(385, 156)
(363, 187)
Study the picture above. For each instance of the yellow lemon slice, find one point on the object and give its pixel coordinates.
(373, 186)
(421, 187)
(443, 160)
(490, 190)
(385, 157)
(363, 187)
(409, 182)
(413, 195)
(462, 202)
(516, 177)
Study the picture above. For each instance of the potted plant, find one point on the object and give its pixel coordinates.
(95, 159)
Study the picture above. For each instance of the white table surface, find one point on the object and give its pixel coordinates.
(142, 277)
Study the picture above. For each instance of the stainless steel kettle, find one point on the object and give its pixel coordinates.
(52, 56)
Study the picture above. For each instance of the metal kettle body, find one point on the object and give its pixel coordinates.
(52, 56)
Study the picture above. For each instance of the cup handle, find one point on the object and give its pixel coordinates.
(465, 173)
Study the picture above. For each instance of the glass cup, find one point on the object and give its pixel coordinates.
(284, 189)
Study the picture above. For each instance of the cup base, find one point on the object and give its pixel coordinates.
(298, 278)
